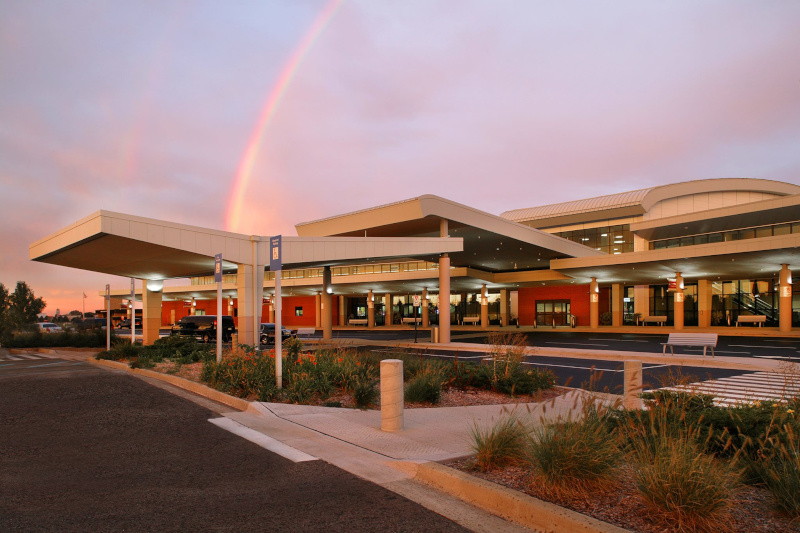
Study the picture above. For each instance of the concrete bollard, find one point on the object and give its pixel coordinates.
(391, 395)
(633, 385)
(234, 341)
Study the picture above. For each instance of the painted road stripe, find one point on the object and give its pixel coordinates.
(457, 356)
(13, 358)
(595, 369)
(768, 347)
(262, 440)
(618, 340)
(576, 343)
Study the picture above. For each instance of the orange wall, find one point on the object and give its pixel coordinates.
(578, 296)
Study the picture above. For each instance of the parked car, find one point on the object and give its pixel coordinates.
(48, 327)
(268, 333)
(92, 323)
(126, 324)
(204, 327)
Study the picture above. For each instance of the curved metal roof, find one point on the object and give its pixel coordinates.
(641, 200)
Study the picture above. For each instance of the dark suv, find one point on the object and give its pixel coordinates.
(268, 333)
(204, 327)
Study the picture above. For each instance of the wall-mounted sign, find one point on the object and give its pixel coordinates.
(786, 291)
(416, 300)
(679, 296)
(673, 285)
(594, 297)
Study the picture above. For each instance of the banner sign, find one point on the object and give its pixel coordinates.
(275, 253)
(218, 268)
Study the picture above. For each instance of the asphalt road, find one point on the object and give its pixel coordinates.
(86, 449)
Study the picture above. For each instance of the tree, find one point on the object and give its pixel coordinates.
(23, 306)
(3, 309)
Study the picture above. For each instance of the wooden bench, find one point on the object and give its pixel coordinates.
(473, 319)
(661, 320)
(705, 340)
(410, 320)
(358, 321)
(306, 332)
(751, 319)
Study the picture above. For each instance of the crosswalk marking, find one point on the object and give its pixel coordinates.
(745, 388)
(26, 357)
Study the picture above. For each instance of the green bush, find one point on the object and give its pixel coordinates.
(684, 487)
(425, 387)
(499, 445)
(365, 393)
(573, 456)
(525, 382)
(67, 339)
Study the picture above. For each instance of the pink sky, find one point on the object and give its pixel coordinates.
(147, 108)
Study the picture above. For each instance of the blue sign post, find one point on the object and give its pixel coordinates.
(275, 265)
(218, 280)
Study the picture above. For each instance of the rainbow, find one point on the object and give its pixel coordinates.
(245, 170)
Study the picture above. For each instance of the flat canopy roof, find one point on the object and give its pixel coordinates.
(145, 248)
(491, 243)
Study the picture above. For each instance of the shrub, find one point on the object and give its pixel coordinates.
(425, 387)
(506, 352)
(525, 382)
(684, 487)
(573, 456)
(500, 445)
(67, 339)
(606, 319)
(365, 392)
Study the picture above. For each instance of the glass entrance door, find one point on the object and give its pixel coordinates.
(552, 312)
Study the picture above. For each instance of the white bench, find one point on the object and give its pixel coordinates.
(706, 340)
(654, 319)
(358, 321)
(410, 320)
(472, 319)
(306, 332)
(751, 319)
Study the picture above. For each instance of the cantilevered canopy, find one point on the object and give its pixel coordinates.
(144, 248)
(491, 243)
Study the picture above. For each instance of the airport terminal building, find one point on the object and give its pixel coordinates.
(705, 253)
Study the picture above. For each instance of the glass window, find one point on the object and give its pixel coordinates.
(715, 237)
(687, 241)
(782, 229)
(658, 245)
(747, 233)
(673, 243)
(700, 239)
(766, 231)
(731, 236)
(298, 311)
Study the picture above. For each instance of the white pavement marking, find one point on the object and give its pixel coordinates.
(574, 367)
(13, 358)
(576, 343)
(458, 356)
(770, 347)
(745, 388)
(262, 440)
(618, 340)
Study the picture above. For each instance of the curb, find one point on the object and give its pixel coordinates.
(504, 502)
(185, 384)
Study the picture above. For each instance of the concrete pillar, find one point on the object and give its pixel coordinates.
(594, 304)
(616, 304)
(633, 385)
(387, 309)
(245, 293)
(785, 299)
(703, 303)
(504, 307)
(392, 395)
(342, 308)
(272, 310)
(484, 307)
(318, 317)
(641, 300)
(444, 299)
(151, 310)
(370, 309)
(678, 318)
(326, 304)
(424, 303)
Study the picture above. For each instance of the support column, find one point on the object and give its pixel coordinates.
(504, 307)
(594, 304)
(151, 310)
(703, 303)
(678, 318)
(318, 317)
(370, 309)
(244, 293)
(444, 298)
(641, 300)
(424, 303)
(342, 307)
(484, 307)
(387, 308)
(326, 304)
(785, 299)
(616, 305)
(272, 309)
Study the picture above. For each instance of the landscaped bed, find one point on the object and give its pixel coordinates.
(339, 376)
(680, 465)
